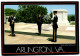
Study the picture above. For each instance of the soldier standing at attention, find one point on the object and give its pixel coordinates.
(55, 26)
(11, 20)
(39, 23)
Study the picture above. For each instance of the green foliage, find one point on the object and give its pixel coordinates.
(72, 23)
(71, 18)
(51, 15)
(8, 11)
(29, 13)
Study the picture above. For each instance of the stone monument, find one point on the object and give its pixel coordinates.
(62, 17)
(6, 18)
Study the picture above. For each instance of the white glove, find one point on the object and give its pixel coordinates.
(12, 20)
(51, 18)
(14, 17)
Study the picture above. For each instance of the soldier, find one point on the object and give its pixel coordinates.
(11, 20)
(39, 22)
(55, 26)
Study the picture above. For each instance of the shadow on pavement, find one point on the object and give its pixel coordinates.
(44, 35)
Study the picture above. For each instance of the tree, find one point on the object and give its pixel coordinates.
(51, 15)
(71, 18)
(8, 11)
(29, 13)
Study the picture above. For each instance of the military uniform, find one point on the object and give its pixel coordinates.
(55, 26)
(11, 20)
(39, 23)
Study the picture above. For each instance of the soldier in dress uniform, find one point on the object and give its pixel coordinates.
(55, 26)
(39, 22)
(11, 20)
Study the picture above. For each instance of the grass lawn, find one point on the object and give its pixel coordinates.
(72, 23)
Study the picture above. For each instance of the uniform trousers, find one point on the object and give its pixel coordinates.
(54, 35)
(12, 29)
(39, 28)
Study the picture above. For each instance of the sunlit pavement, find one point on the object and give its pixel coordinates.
(26, 34)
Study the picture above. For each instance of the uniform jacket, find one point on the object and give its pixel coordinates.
(55, 20)
(11, 20)
(39, 20)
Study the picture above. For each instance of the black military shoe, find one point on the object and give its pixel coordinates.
(39, 34)
(53, 41)
(14, 35)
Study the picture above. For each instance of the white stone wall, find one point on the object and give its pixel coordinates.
(62, 17)
(4, 18)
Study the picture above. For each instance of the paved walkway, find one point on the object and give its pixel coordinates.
(25, 34)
